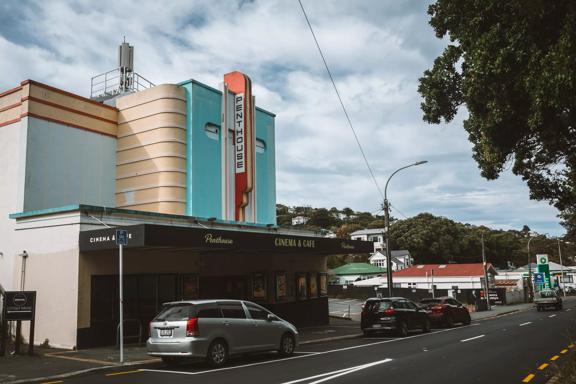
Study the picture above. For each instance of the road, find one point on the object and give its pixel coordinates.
(511, 349)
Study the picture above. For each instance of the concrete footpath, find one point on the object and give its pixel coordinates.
(50, 364)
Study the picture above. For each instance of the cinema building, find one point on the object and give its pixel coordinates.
(188, 170)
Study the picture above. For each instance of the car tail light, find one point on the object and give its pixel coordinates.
(389, 311)
(438, 308)
(192, 328)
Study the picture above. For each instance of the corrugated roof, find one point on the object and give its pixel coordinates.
(422, 270)
(372, 231)
(357, 269)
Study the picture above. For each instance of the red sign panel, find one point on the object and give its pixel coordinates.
(243, 121)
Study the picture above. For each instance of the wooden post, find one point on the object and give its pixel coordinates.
(18, 337)
(31, 338)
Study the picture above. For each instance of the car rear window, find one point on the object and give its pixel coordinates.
(209, 313)
(547, 294)
(176, 312)
(232, 311)
(375, 306)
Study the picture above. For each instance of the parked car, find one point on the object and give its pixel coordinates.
(216, 329)
(446, 311)
(547, 298)
(395, 314)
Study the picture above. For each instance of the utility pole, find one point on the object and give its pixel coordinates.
(530, 284)
(561, 269)
(487, 286)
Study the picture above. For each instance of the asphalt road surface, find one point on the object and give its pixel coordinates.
(522, 347)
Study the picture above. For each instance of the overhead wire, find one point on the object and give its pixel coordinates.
(341, 102)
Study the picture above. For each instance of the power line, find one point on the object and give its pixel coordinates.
(341, 102)
(397, 210)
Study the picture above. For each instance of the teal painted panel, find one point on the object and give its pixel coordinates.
(203, 157)
(265, 170)
(67, 166)
(203, 195)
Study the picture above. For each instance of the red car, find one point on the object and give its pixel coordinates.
(446, 311)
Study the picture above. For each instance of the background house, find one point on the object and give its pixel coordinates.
(400, 259)
(354, 272)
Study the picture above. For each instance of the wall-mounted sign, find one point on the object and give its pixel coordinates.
(107, 238)
(244, 141)
(207, 239)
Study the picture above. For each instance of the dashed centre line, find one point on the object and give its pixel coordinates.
(526, 323)
(563, 351)
(528, 378)
(554, 358)
(472, 338)
(543, 366)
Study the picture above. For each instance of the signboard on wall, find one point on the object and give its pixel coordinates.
(244, 143)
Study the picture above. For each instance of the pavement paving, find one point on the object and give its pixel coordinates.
(50, 364)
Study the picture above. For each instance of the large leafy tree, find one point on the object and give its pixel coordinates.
(513, 65)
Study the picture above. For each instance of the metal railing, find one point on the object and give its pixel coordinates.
(116, 82)
(138, 336)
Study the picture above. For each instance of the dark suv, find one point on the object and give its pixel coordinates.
(395, 314)
(446, 311)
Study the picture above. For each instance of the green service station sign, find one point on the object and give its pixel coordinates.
(543, 267)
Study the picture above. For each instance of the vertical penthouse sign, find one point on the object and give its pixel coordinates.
(244, 139)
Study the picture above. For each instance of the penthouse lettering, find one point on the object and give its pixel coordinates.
(240, 158)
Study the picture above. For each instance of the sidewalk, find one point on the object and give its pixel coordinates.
(49, 364)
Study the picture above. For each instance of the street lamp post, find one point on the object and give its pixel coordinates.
(486, 284)
(387, 225)
(530, 287)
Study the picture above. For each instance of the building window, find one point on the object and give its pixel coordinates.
(212, 131)
(260, 146)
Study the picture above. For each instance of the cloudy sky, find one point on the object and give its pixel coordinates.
(376, 49)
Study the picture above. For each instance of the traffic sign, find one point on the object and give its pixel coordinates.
(121, 237)
(542, 259)
(538, 278)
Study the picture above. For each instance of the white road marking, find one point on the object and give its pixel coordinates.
(335, 374)
(568, 310)
(472, 338)
(552, 316)
(312, 354)
(527, 323)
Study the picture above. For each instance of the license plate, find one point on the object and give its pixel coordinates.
(376, 326)
(166, 332)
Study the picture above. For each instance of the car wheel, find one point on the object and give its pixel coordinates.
(171, 361)
(367, 333)
(403, 329)
(426, 326)
(287, 345)
(449, 321)
(467, 319)
(538, 308)
(217, 353)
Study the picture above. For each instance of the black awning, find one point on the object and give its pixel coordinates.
(205, 239)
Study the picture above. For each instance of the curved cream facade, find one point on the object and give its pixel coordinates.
(151, 150)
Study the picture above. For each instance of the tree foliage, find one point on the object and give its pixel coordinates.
(513, 65)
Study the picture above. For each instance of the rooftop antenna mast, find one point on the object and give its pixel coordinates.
(121, 80)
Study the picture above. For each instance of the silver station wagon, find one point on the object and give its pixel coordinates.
(216, 329)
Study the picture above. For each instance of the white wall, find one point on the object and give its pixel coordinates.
(12, 158)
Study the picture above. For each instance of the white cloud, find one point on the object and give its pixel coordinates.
(377, 50)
